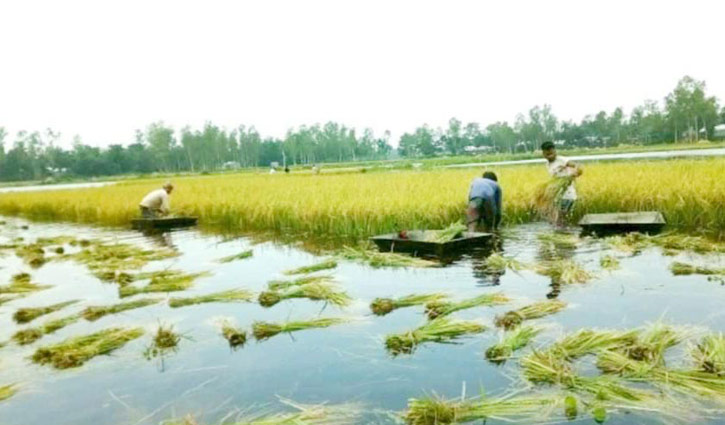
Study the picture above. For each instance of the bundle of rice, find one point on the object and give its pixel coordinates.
(514, 318)
(441, 308)
(383, 306)
(441, 329)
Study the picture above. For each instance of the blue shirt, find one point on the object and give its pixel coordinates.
(485, 189)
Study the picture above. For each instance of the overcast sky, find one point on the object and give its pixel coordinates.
(102, 69)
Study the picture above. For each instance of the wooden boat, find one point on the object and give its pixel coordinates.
(416, 243)
(163, 222)
(645, 222)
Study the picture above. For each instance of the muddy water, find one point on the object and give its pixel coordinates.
(346, 363)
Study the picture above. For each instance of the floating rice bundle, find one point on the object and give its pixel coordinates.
(497, 264)
(559, 240)
(284, 284)
(21, 284)
(4, 299)
(377, 259)
(6, 392)
(103, 259)
(302, 415)
(30, 335)
(266, 330)
(441, 329)
(314, 291)
(231, 296)
(241, 256)
(76, 351)
(548, 196)
(383, 306)
(438, 411)
(32, 254)
(651, 344)
(511, 341)
(538, 309)
(56, 240)
(27, 314)
(709, 354)
(589, 341)
(165, 341)
(235, 336)
(453, 231)
(682, 242)
(96, 312)
(442, 308)
(325, 265)
(679, 268)
(631, 243)
(176, 282)
(609, 262)
(564, 271)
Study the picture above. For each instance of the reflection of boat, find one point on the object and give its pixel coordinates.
(163, 223)
(645, 221)
(416, 242)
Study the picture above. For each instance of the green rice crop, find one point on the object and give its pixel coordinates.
(441, 329)
(266, 330)
(314, 291)
(178, 282)
(74, 352)
(285, 284)
(28, 314)
(325, 265)
(30, 335)
(511, 341)
(93, 313)
(233, 295)
(514, 318)
(679, 268)
(241, 256)
(564, 271)
(383, 259)
(443, 308)
(709, 354)
(383, 306)
(6, 392)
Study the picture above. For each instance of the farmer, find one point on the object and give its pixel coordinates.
(561, 167)
(484, 202)
(156, 203)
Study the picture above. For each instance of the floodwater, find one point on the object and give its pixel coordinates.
(341, 364)
(46, 187)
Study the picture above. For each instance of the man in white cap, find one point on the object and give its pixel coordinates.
(156, 203)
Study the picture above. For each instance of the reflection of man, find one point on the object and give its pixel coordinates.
(156, 203)
(484, 202)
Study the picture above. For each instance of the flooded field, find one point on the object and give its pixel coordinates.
(346, 363)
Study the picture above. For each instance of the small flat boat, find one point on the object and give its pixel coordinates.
(644, 221)
(417, 242)
(163, 222)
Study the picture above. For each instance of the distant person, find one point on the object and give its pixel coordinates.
(156, 203)
(562, 167)
(484, 202)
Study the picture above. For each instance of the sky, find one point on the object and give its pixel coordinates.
(102, 69)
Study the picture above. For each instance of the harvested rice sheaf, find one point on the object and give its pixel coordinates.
(176, 282)
(165, 340)
(453, 231)
(511, 341)
(325, 265)
(514, 318)
(631, 243)
(6, 392)
(21, 284)
(564, 271)
(28, 314)
(679, 268)
(383, 306)
(233, 295)
(653, 341)
(709, 354)
(498, 264)
(235, 336)
(96, 312)
(441, 329)
(284, 284)
(609, 262)
(441, 308)
(266, 330)
(30, 335)
(591, 341)
(549, 194)
(241, 256)
(105, 258)
(74, 352)
(377, 259)
(313, 291)
(559, 240)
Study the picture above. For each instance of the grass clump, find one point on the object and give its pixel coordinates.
(441, 308)
(609, 262)
(453, 231)
(285, 284)
(538, 309)
(325, 265)
(383, 306)
(165, 341)
(235, 336)
(313, 291)
(176, 282)
(233, 295)
(30, 335)
(497, 264)
(266, 330)
(7, 391)
(441, 329)
(241, 256)
(378, 259)
(28, 314)
(21, 284)
(709, 354)
(74, 352)
(93, 313)
(679, 268)
(511, 341)
(564, 271)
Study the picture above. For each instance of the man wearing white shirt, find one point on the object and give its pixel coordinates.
(562, 167)
(156, 203)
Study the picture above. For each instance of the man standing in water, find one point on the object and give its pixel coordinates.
(156, 203)
(561, 167)
(484, 202)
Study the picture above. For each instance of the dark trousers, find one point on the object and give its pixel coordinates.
(147, 213)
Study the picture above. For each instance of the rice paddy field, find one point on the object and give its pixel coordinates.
(102, 325)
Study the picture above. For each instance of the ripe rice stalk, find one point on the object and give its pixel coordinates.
(325, 265)
(684, 242)
(165, 341)
(559, 239)
(314, 291)
(266, 330)
(510, 342)
(652, 342)
(497, 264)
(609, 262)
(438, 411)
(30, 335)
(74, 352)
(241, 256)
(93, 313)
(680, 268)
(564, 271)
(383, 306)
(442, 308)
(7, 391)
(538, 309)
(28, 314)
(709, 354)
(179, 282)
(378, 259)
(100, 258)
(631, 243)
(233, 295)
(548, 195)
(21, 284)
(276, 285)
(453, 231)
(441, 329)
(589, 341)
(234, 335)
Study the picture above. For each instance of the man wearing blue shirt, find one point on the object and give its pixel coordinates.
(484, 202)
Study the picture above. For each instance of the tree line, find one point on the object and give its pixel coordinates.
(685, 114)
